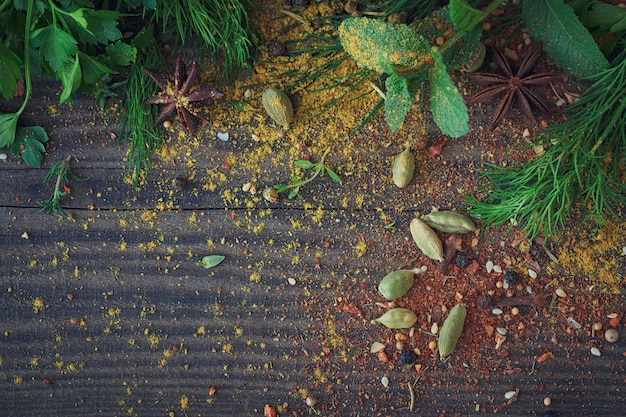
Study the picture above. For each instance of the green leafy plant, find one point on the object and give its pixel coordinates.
(318, 168)
(63, 171)
(223, 26)
(583, 161)
(77, 45)
(411, 58)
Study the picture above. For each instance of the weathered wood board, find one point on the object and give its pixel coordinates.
(109, 313)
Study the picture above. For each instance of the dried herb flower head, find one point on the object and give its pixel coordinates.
(181, 94)
(517, 84)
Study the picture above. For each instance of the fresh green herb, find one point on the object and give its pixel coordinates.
(406, 55)
(76, 45)
(565, 38)
(137, 123)
(211, 261)
(223, 26)
(391, 225)
(319, 168)
(62, 170)
(583, 160)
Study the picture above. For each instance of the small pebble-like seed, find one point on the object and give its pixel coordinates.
(497, 269)
(434, 328)
(246, 187)
(376, 347)
(3, 156)
(167, 124)
(612, 315)
(432, 345)
(597, 326)
(514, 311)
(385, 381)
(291, 281)
(532, 273)
(489, 266)
(595, 351)
(510, 394)
(496, 311)
(310, 401)
(547, 401)
(561, 292)
(399, 345)
(502, 330)
(499, 284)
(611, 335)
(624, 250)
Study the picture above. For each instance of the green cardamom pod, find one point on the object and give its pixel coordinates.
(426, 239)
(449, 222)
(397, 318)
(451, 330)
(397, 283)
(403, 168)
(278, 106)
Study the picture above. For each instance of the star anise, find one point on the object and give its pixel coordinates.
(514, 84)
(182, 94)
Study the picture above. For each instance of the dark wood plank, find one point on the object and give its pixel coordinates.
(132, 326)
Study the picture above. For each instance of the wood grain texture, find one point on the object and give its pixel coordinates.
(130, 325)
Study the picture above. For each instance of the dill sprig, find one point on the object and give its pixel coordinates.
(63, 171)
(581, 164)
(138, 121)
(224, 27)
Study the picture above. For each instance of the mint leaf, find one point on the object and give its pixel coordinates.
(606, 17)
(8, 124)
(446, 103)
(29, 144)
(464, 16)
(211, 261)
(398, 101)
(56, 46)
(71, 77)
(383, 46)
(564, 37)
(9, 72)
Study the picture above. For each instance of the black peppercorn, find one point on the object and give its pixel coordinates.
(180, 183)
(276, 48)
(462, 261)
(511, 278)
(407, 357)
(484, 301)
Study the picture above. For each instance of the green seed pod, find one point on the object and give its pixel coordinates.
(403, 168)
(451, 330)
(449, 222)
(426, 239)
(278, 106)
(397, 318)
(397, 283)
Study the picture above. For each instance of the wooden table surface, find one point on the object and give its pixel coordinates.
(131, 325)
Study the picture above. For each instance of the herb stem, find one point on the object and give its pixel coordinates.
(27, 29)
